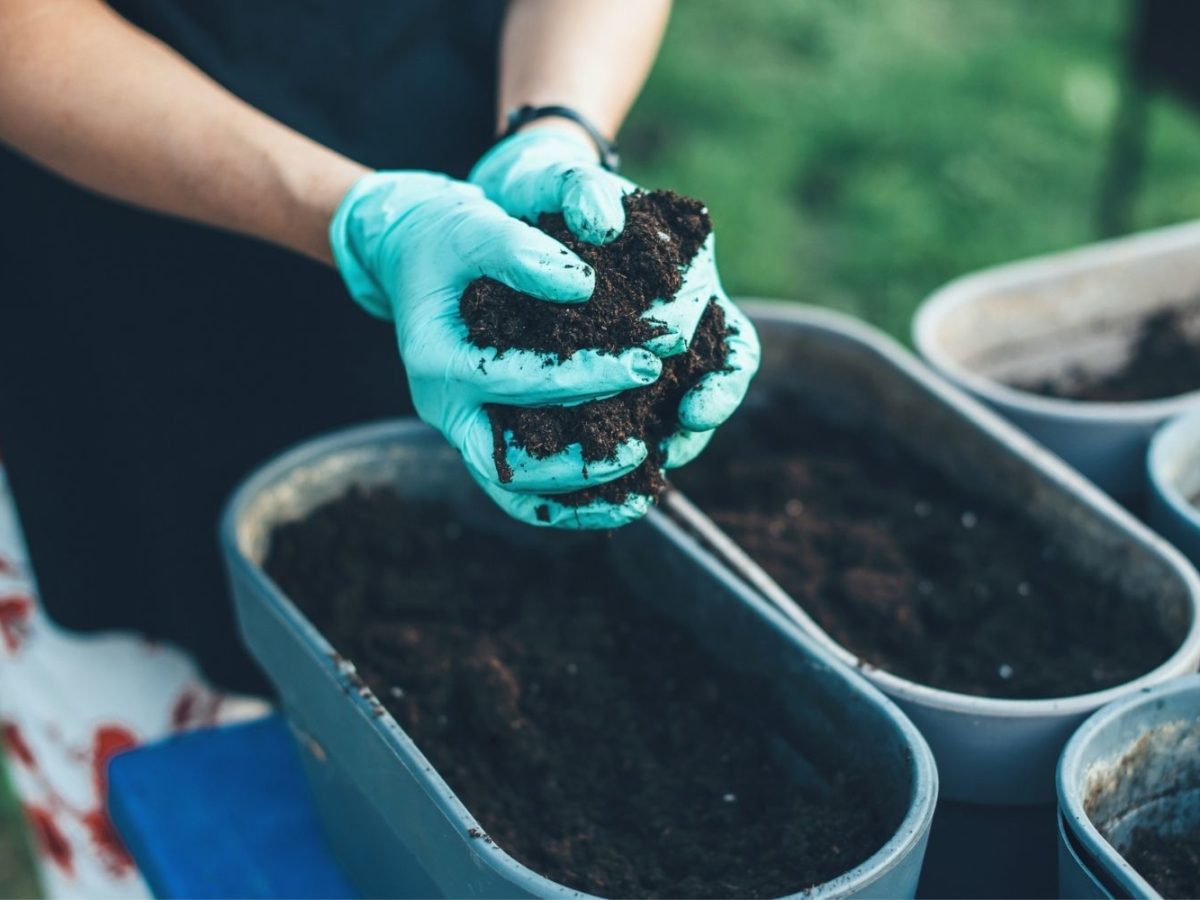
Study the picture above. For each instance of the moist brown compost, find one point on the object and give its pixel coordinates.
(1164, 362)
(591, 738)
(1171, 863)
(908, 571)
(631, 273)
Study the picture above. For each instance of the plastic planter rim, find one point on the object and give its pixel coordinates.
(959, 292)
(894, 685)
(915, 824)
(909, 832)
(1074, 815)
(1178, 429)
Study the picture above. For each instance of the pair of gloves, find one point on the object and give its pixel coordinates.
(409, 243)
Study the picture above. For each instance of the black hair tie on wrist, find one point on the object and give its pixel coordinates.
(610, 158)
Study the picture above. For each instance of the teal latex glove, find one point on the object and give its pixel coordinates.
(719, 394)
(407, 245)
(546, 170)
(549, 170)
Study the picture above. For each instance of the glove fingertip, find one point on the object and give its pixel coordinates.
(593, 205)
(552, 273)
(644, 366)
(594, 227)
(632, 452)
(705, 407)
(670, 343)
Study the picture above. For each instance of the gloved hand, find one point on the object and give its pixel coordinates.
(552, 170)
(407, 244)
(549, 170)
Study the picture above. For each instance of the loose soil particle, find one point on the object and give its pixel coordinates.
(663, 232)
(592, 738)
(909, 572)
(1170, 864)
(1164, 362)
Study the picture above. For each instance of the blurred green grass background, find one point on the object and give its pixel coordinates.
(859, 153)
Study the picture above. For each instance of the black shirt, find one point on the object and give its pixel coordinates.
(147, 365)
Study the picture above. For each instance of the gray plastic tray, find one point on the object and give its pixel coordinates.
(991, 753)
(393, 823)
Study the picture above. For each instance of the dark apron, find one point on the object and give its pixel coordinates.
(146, 365)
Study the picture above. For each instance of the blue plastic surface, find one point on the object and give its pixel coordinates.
(223, 813)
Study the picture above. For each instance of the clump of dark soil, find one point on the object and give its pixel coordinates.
(908, 571)
(1164, 362)
(591, 737)
(663, 232)
(649, 413)
(1170, 863)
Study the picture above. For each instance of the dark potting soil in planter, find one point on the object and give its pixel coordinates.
(907, 571)
(663, 232)
(1164, 362)
(592, 738)
(1170, 864)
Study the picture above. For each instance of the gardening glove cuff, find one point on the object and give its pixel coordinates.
(372, 208)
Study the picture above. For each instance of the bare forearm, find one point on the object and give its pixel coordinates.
(89, 96)
(591, 56)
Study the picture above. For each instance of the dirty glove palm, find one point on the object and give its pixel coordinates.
(407, 245)
(546, 170)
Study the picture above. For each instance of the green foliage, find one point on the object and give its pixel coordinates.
(859, 153)
(16, 869)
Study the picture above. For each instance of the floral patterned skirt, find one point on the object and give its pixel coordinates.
(68, 703)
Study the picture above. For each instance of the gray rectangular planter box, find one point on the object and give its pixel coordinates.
(995, 830)
(393, 823)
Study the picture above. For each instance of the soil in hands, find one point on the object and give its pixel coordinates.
(908, 571)
(593, 739)
(1165, 362)
(663, 232)
(1170, 863)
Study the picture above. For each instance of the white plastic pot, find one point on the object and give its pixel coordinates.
(1078, 310)
(1173, 466)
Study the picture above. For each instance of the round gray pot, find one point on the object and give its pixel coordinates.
(1173, 467)
(1134, 764)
